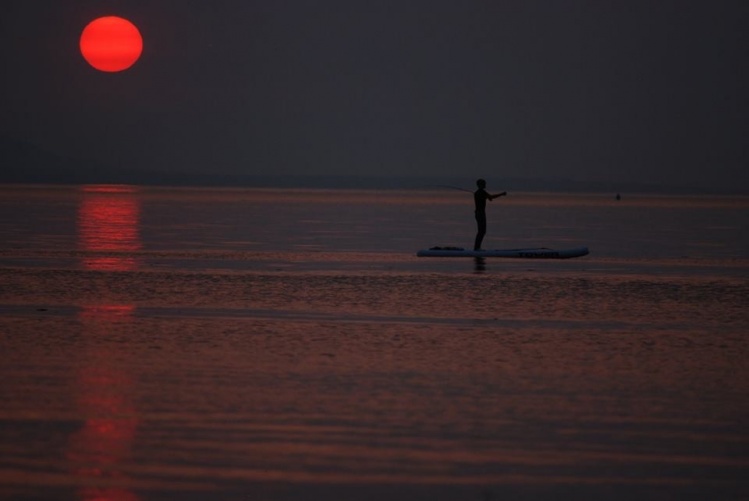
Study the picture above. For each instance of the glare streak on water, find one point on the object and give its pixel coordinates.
(163, 343)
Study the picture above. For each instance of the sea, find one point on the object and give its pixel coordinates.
(287, 344)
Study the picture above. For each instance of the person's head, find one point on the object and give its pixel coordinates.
(481, 183)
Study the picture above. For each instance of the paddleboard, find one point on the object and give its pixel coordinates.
(539, 253)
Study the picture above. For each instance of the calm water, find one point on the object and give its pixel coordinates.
(288, 345)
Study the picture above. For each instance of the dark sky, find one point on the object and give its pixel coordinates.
(651, 91)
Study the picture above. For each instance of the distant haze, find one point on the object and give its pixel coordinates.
(543, 94)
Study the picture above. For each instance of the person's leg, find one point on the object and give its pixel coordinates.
(481, 223)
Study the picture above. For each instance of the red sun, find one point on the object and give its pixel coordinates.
(111, 43)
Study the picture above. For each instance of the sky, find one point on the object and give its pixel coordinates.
(635, 91)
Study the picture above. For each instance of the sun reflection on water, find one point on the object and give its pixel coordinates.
(108, 227)
(105, 402)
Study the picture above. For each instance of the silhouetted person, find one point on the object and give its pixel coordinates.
(480, 197)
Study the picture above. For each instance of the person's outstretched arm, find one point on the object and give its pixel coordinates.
(503, 194)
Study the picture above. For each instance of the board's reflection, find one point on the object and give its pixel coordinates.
(479, 265)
